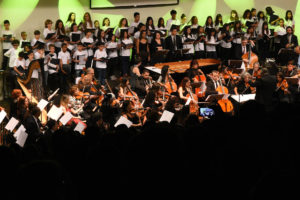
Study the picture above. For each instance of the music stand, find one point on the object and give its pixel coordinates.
(235, 63)
(214, 97)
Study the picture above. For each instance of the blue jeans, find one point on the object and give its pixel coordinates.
(101, 73)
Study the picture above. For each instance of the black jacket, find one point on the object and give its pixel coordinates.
(284, 40)
(169, 43)
(33, 129)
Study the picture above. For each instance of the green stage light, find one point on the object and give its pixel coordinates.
(16, 11)
(65, 7)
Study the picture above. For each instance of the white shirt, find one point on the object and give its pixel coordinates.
(88, 40)
(45, 33)
(64, 57)
(7, 45)
(137, 35)
(170, 22)
(280, 31)
(211, 48)
(235, 40)
(289, 23)
(77, 53)
(188, 46)
(35, 72)
(51, 67)
(20, 63)
(112, 45)
(125, 52)
(12, 53)
(37, 56)
(132, 26)
(100, 54)
(223, 43)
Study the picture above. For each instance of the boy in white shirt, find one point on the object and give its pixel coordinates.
(53, 77)
(87, 42)
(173, 20)
(24, 40)
(36, 41)
(101, 58)
(65, 67)
(79, 58)
(7, 36)
(19, 70)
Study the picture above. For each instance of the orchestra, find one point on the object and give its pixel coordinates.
(84, 67)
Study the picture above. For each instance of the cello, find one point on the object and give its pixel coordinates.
(225, 104)
(194, 107)
(170, 85)
(200, 91)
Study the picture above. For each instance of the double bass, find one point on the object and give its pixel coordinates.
(251, 57)
(225, 104)
(200, 91)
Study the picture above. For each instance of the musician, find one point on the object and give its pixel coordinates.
(213, 83)
(282, 88)
(225, 42)
(173, 43)
(143, 84)
(289, 40)
(129, 112)
(33, 126)
(244, 48)
(22, 111)
(173, 20)
(87, 42)
(265, 87)
(124, 89)
(195, 71)
(290, 70)
(53, 77)
(264, 41)
(135, 23)
(184, 89)
(188, 43)
(243, 86)
(157, 44)
(199, 43)
(278, 33)
(211, 42)
(113, 62)
(165, 79)
(256, 71)
(15, 96)
(19, 69)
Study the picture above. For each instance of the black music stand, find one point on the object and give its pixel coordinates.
(214, 97)
(235, 63)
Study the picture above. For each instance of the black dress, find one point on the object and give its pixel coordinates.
(156, 58)
(143, 53)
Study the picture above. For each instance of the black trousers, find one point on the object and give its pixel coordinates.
(5, 60)
(53, 81)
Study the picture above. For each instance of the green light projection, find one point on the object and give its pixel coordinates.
(17, 11)
(65, 7)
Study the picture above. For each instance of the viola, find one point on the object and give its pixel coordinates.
(225, 104)
(256, 74)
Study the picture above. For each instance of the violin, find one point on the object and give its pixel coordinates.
(253, 90)
(283, 85)
(257, 74)
(82, 95)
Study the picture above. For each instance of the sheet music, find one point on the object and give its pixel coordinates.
(166, 116)
(11, 125)
(81, 60)
(154, 69)
(79, 127)
(42, 104)
(243, 97)
(55, 113)
(22, 138)
(66, 118)
(2, 115)
(18, 132)
(77, 80)
(123, 120)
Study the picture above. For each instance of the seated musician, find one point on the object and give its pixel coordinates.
(143, 84)
(213, 83)
(290, 70)
(255, 72)
(194, 73)
(166, 81)
(184, 90)
(75, 102)
(243, 87)
(282, 90)
(173, 43)
(129, 112)
(125, 91)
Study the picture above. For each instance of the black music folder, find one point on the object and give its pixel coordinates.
(25, 44)
(75, 37)
(175, 26)
(194, 31)
(39, 43)
(109, 30)
(49, 36)
(7, 38)
(54, 61)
